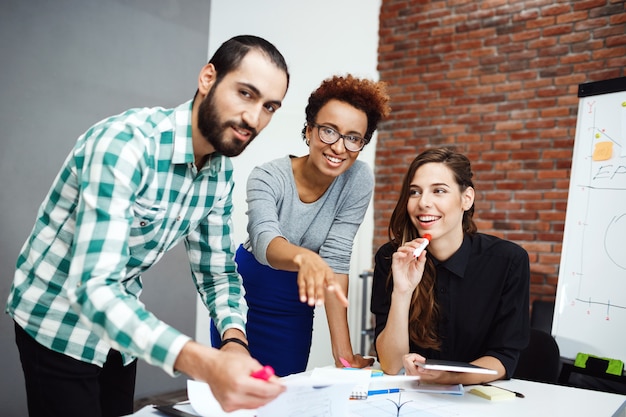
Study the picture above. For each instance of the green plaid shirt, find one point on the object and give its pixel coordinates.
(128, 192)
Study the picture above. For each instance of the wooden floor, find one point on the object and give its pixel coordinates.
(162, 399)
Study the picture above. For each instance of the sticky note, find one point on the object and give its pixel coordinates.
(602, 151)
(492, 393)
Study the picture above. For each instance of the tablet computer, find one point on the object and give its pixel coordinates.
(454, 366)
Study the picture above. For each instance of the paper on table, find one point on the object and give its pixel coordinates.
(416, 385)
(330, 373)
(205, 404)
(307, 397)
(358, 378)
(361, 378)
(359, 375)
(304, 397)
(394, 378)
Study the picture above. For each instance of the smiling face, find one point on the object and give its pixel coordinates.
(436, 204)
(332, 160)
(236, 108)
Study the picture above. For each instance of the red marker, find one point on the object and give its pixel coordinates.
(418, 251)
(264, 373)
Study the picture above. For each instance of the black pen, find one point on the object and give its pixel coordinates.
(517, 394)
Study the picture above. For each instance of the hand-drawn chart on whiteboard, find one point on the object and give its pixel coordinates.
(590, 313)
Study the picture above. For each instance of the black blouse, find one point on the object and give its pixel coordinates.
(483, 297)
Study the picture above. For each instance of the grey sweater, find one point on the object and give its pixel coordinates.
(326, 226)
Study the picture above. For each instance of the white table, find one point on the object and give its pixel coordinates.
(540, 400)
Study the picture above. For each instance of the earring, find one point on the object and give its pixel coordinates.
(308, 141)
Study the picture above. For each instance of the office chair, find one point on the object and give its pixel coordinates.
(540, 361)
(541, 315)
(541, 318)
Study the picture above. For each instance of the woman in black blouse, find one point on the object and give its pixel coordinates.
(465, 298)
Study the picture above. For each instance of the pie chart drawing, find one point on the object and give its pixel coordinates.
(614, 241)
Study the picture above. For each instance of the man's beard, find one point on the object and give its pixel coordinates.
(214, 132)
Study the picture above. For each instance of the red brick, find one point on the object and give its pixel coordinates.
(573, 38)
(608, 31)
(588, 4)
(619, 62)
(572, 17)
(574, 58)
(618, 51)
(459, 75)
(589, 24)
(618, 18)
(527, 14)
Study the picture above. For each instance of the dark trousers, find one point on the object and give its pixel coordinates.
(57, 385)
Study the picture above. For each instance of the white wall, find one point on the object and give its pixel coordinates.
(65, 65)
(318, 39)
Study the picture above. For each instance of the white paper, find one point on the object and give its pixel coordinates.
(394, 378)
(304, 397)
(356, 376)
(204, 403)
(359, 379)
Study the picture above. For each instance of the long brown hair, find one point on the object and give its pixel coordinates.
(424, 311)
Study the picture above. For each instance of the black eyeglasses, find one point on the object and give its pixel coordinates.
(328, 135)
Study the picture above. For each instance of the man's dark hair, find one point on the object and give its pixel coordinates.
(229, 55)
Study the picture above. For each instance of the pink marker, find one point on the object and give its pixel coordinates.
(418, 251)
(264, 373)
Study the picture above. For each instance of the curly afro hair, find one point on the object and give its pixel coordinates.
(369, 96)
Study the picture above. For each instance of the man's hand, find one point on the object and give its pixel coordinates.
(229, 376)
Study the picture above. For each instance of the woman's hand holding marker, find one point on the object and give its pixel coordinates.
(418, 251)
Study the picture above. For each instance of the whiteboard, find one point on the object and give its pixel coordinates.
(590, 308)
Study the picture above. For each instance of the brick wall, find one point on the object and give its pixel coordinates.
(497, 80)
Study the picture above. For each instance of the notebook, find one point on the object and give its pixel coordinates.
(359, 392)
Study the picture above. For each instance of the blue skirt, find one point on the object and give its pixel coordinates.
(279, 327)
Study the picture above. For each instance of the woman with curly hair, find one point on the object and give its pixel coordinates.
(303, 214)
(465, 298)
